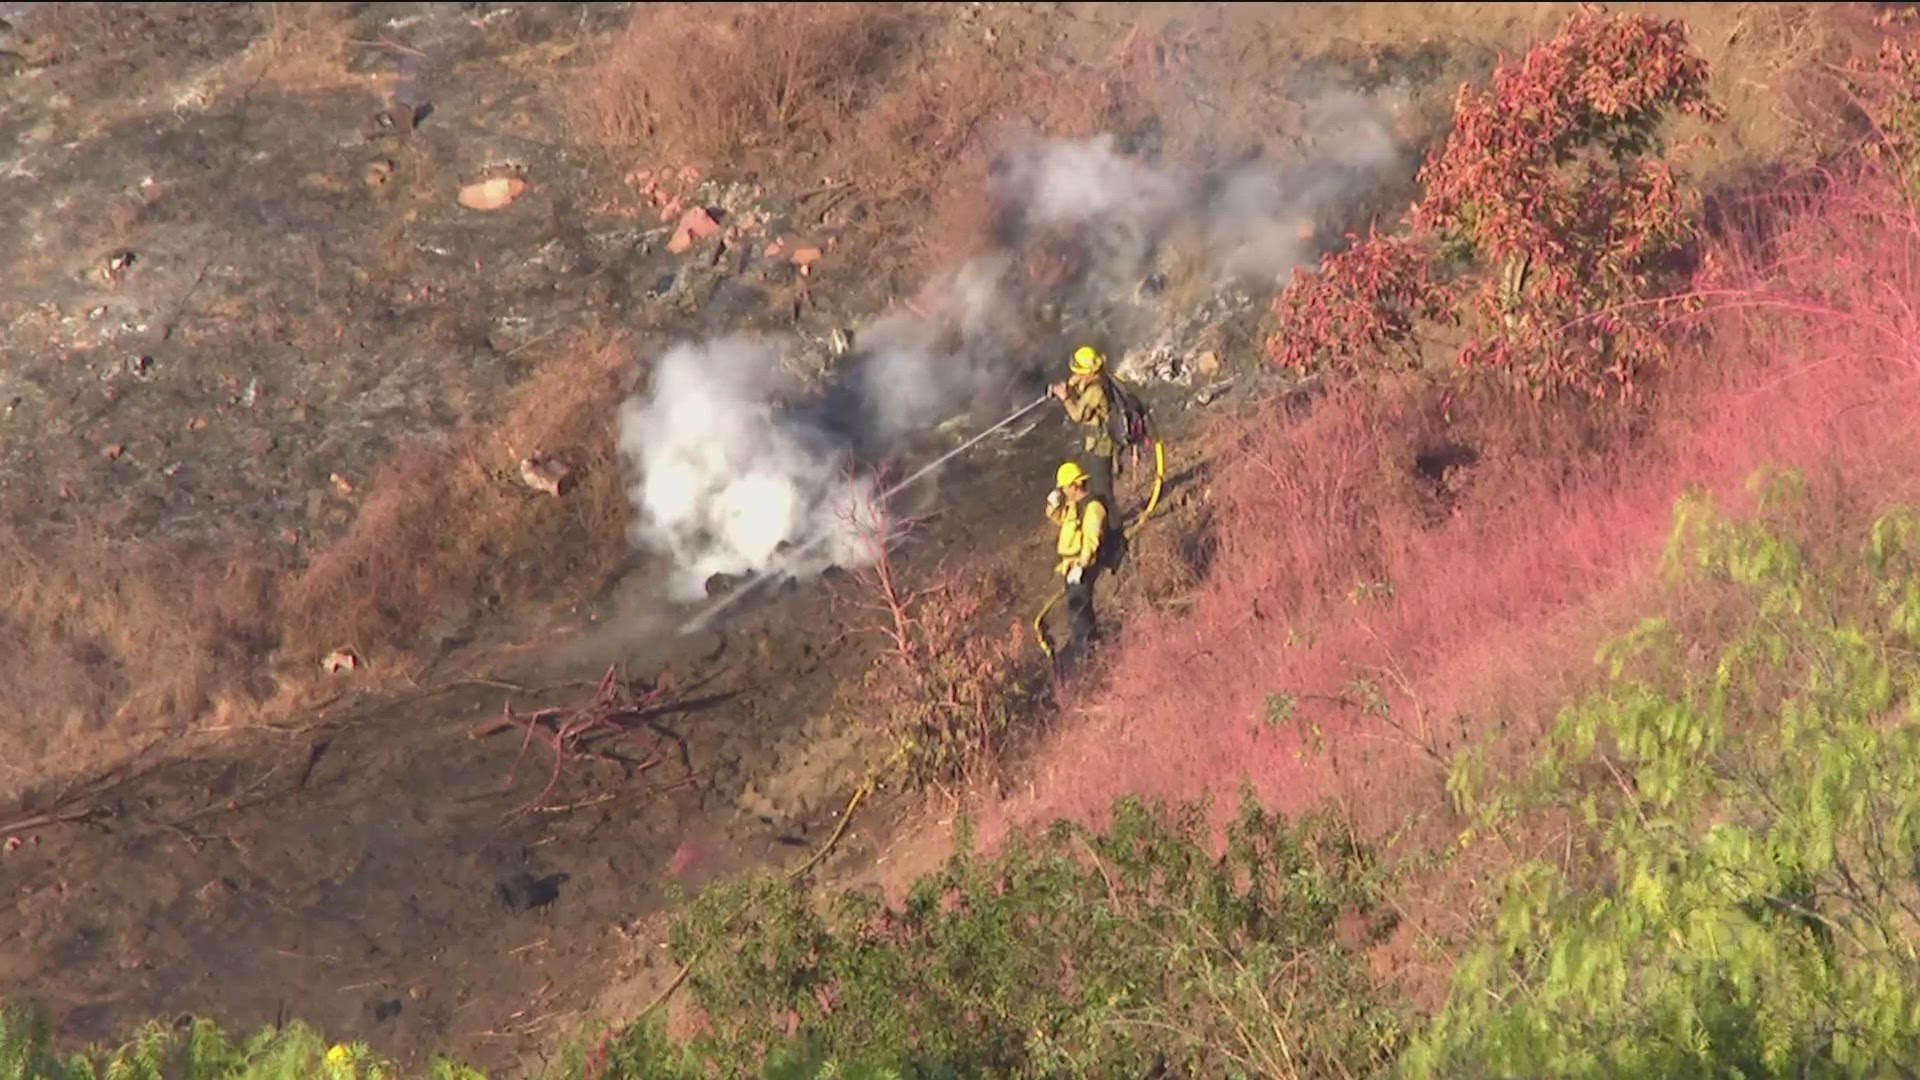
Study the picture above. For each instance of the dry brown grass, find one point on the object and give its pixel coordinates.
(905, 113)
(110, 644)
(921, 152)
(709, 81)
(114, 645)
(448, 528)
(305, 45)
(61, 33)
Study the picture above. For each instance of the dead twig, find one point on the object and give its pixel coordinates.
(41, 821)
(384, 44)
(314, 957)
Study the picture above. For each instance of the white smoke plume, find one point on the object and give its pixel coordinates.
(731, 481)
(726, 479)
(1263, 218)
(1118, 204)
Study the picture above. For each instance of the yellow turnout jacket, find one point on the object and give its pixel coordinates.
(1087, 405)
(1081, 526)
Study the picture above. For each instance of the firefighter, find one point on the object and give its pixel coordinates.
(1084, 394)
(1082, 518)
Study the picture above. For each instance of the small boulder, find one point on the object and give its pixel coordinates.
(492, 194)
(546, 475)
(695, 225)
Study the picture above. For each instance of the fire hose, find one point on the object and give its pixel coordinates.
(1132, 527)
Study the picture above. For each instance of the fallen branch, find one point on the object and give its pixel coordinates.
(614, 711)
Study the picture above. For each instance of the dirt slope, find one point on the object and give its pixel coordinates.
(304, 291)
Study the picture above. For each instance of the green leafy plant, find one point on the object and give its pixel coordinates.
(1751, 903)
(1280, 708)
(1071, 953)
(196, 1049)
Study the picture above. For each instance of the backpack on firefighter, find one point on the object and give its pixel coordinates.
(1126, 416)
(1129, 427)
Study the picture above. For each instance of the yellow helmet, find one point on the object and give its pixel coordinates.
(1069, 473)
(1087, 360)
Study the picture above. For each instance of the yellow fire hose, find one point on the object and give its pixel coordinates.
(1153, 502)
(846, 818)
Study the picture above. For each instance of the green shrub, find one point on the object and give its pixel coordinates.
(1072, 953)
(194, 1050)
(1753, 791)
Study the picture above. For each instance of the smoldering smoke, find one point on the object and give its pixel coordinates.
(738, 472)
(726, 478)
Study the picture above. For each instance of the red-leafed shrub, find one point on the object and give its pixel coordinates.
(1344, 638)
(1551, 215)
(1554, 183)
(1361, 307)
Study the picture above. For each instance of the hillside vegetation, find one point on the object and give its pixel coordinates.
(1546, 703)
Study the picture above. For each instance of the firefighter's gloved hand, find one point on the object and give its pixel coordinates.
(1073, 575)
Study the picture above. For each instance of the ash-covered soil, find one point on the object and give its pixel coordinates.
(226, 286)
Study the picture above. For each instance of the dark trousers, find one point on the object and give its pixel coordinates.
(1080, 626)
(1101, 470)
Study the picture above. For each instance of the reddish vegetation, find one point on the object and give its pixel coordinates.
(1553, 187)
(1360, 307)
(1812, 343)
(946, 689)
